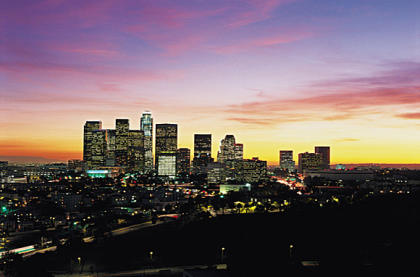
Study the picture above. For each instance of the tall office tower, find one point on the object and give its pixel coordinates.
(286, 160)
(110, 147)
(239, 152)
(89, 128)
(98, 148)
(166, 148)
(122, 129)
(183, 158)
(202, 153)
(310, 161)
(135, 153)
(324, 151)
(146, 125)
(202, 145)
(227, 149)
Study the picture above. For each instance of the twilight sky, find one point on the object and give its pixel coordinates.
(278, 74)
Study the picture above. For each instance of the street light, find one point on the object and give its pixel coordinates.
(221, 256)
(290, 250)
(79, 259)
(151, 255)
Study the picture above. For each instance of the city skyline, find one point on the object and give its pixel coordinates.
(277, 74)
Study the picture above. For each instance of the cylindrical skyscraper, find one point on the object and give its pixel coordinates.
(146, 125)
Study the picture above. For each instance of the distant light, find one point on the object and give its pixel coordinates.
(97, 171)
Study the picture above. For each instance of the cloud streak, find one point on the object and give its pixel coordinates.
(359, 101)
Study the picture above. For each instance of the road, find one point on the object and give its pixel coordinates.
(142, 272)
(116, 232)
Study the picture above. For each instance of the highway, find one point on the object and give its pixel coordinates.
(142, 272)
(116, 232)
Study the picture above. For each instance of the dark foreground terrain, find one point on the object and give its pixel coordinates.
(378, 235)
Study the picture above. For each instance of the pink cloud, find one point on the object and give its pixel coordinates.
(361, 99)
(409, 115)
(258, 10)
(267, 41)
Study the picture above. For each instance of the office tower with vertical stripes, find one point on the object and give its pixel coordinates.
(146, 125)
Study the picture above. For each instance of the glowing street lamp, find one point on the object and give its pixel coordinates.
(290, 250)
(151, 255)
(222, 254)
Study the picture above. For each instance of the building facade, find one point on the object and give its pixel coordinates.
(183, 159)
(286, 160)
(166, 149)
(146, 125)
(89, 128)
(239, 152)
(120, 147)
(324, 151)
(310, 161)
(202, 153)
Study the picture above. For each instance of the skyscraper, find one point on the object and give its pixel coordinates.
(227, 149)
(202, 153)
(120, 147)
(286, 160)
(166, 149)
(110, 147)
(202, 145)
(324, 151)
(183, 159)
(89, 128)
(135, 154)
(310, 161)
(98, 148)
(122, 129)
(146, 125)
(239, 152)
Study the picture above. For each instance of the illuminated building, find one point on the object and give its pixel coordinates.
(121, 147)
(225, 188)
(230, 150)
(343, 175)
(166, 165)
(340, 167)
(166, 149)
(215, 174)
(98, 148)
(239, 152)
(121, 142)
(202, 152)
(136, 150)
(286, 160)
(89, 128)
(146, 125)
(102, 173)
(324, 151)
(227, 149)
(183, 161)
(202, 145)
(75, 165)
(110, 148)
(310, 161)
(246, 171)
(252, 170)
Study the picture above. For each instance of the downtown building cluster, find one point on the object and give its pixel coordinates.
(319, 160)
(132, 151)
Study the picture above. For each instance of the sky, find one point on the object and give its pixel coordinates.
(278, 74)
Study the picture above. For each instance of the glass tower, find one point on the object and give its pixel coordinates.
(146, 125)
